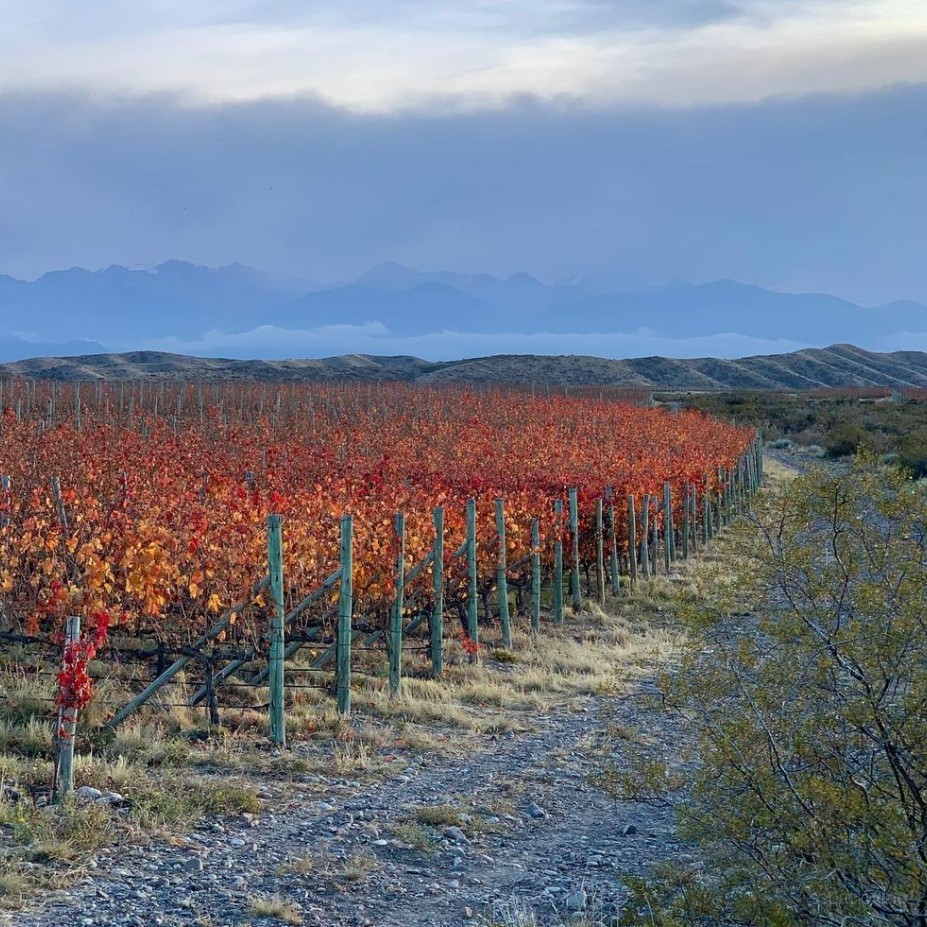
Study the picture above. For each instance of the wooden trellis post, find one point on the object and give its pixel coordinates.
(395, 631)
(558, 563)
(685, 521)
(654, 538)
(613, 543)
(502, 585)
(345, 613)
(599, 552)
(472, 589)
(575, 592)
(535, 576)
(437, 615)
(277, 633)
(632, 541)
(67, 724)
(669, 528)
(645, 536)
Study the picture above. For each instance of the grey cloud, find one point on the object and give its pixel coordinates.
(825, 193)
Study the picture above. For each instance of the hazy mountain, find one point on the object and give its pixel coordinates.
(120, 307)
(838, 365)
(118, 303)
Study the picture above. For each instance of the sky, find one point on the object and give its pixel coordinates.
(779, 142)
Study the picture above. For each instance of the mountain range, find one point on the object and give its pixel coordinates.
(836, 366)
(78, 311)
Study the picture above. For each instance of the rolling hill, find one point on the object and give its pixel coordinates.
(838, 365)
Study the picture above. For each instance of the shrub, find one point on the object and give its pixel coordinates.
(845, 439)
(912, 454)
(810, 799)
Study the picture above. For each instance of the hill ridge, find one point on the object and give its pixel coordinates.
(840, 365)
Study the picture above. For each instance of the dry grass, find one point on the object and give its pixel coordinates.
(276, 907)
(175, 769)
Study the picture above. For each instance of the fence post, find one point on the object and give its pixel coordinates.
(655, 538)
(277, 642)
(535, 576)
(502, 585)
(558, 563)
(599, 552)
(632, 541)
(645, 536)
(613, 541)
(669, 527)
(686, 493)
(437, 615)
(67, 722)
(669, 524)
(472, 591)
(576, 594)
(395, 631)
(345, 612)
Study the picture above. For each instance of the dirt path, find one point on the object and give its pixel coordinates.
(536, 836)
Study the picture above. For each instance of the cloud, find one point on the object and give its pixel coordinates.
(820, 194)
(375, 55)
(271, 342)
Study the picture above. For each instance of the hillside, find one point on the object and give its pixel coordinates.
(838, 365)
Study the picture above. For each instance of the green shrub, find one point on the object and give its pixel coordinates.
(845, 439)
(912, 454)
(806, 683)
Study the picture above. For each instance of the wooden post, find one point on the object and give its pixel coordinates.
(576, 594)
(613, 543)
(632, 541)
(669, 523)
(437, 614)
(645, 536)
(472, 590)
(599, 552)
(395, 630)
(345, 613)
(558, 563)
(59, 505)
(67, 723)
(502, 585)
(654, 539)
(535, 576)
(277, 642)
(685, 521)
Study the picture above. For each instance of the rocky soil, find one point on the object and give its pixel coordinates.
(534, 838)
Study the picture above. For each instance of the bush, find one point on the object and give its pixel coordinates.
(845, 439)
(810, 799)
(912, 454)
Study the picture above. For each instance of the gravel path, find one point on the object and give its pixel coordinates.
(535, 836)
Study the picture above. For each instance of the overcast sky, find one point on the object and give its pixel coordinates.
(781, 142)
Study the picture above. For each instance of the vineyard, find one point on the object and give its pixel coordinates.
(215, 525)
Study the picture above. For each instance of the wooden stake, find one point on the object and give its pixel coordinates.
(645, 537)
(277, 633)
(577, 600)
(558, 564)
(472, 590)
(535, 576)
(437, 615)
(632, 541)
(613, 543)
(599, 552)
(345, 614)
(395, 631)
(67, 725)
(502, 585)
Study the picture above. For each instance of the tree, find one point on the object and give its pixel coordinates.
(810, 796)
